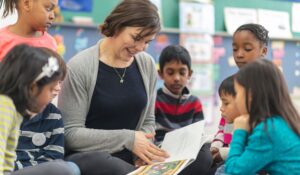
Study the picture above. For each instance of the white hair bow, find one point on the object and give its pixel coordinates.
(48, 69)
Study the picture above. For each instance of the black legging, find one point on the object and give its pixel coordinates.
(202, 165)
(100, 163)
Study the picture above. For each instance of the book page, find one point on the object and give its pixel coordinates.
(183, 146)
(184, 143)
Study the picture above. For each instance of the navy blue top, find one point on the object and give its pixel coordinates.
(117, 105)
(41, 138)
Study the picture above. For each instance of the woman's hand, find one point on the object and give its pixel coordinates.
(139, 162)
(242, 122)
(146, 150)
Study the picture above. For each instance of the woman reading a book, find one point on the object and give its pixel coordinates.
(107, 99)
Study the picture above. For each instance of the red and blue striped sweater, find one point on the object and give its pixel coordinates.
(175, 111)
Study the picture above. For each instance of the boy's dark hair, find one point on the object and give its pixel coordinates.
(9, 6)
(174, 52)
(269, 93)
(132, 13)
(18, 71)
(227, 87)
(257, 30)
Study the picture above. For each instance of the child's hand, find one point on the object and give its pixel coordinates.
(242, 122)
(216, 155)
(214, 150)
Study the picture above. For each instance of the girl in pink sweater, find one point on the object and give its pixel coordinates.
(34, 19)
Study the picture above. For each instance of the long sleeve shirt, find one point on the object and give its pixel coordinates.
(41, 138)
(223, 138)
(175, 111)
(10, 121)
(272, 146)
(75, 99)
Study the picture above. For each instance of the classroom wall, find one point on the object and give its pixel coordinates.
(77, 37)
(102, 8)
(170, 10)
(284, 6)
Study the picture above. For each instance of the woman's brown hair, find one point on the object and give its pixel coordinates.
(132, 13)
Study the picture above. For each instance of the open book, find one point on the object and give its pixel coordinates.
(183, 146)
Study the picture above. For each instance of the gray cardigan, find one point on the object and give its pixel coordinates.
(75, 98)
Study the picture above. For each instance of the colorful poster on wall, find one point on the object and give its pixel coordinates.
(81, 41)
(234, 17)
(276, 22)
(296, 17)
(200, 46)
(202, 81)
(208, 104)
(76, 5)
(196, 17)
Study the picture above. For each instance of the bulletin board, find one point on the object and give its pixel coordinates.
(290, 62)
(102, 8)
(79, 38)
(263, 4)
(170, 11)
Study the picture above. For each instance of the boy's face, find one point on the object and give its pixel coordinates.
(175, 76)
(246, 48)
(228, 108)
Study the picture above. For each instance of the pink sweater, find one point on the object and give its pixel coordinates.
(223, 136)
(8, 40)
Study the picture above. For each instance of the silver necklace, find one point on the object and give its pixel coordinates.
(119, 75)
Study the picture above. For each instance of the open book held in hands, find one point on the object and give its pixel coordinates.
(183, 146)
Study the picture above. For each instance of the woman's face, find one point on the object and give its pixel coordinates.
(128, 43)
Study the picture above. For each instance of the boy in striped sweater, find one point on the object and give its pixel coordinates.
(220, 145)
(175, 107)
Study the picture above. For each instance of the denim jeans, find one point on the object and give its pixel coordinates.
(221, 171)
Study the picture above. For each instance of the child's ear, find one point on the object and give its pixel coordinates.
(264, 52)
(160, 73)
(26, 4)
(33, 91)
(190, 73)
